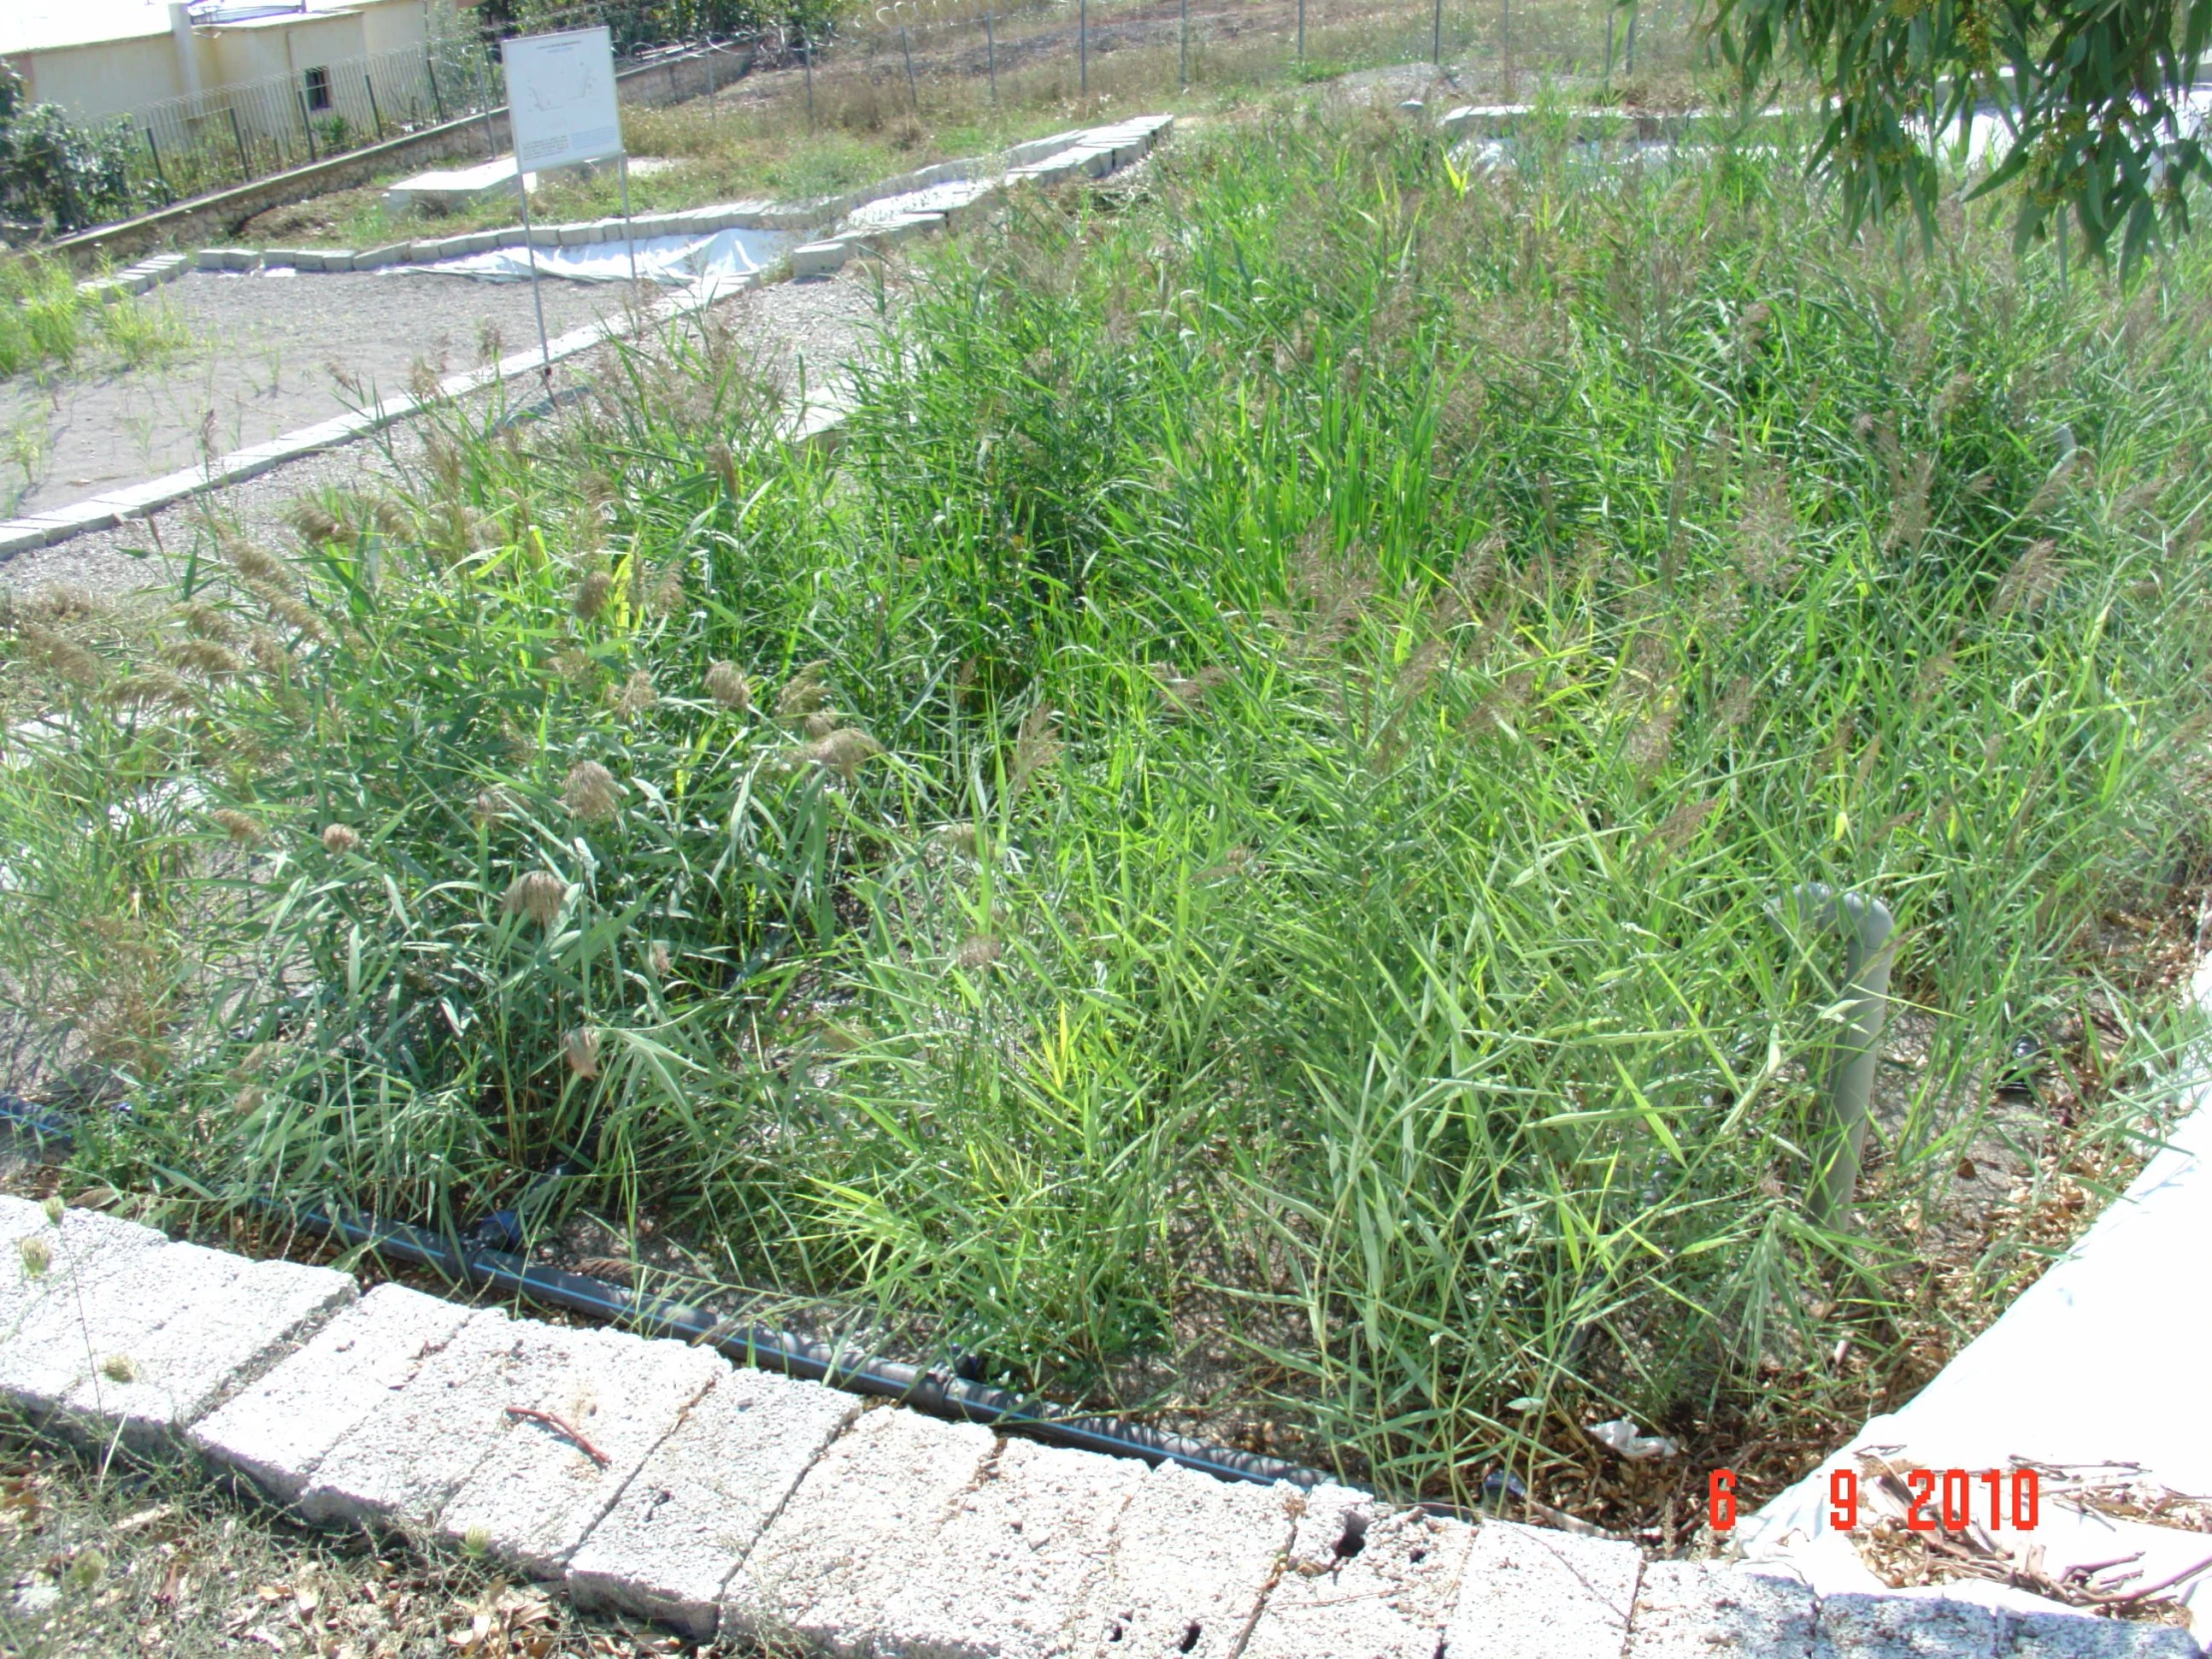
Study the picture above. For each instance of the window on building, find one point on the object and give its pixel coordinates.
(318, 89)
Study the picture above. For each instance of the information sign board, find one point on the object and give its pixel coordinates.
(561, 96)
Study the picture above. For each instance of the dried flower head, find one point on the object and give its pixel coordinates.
(1650, 741)
(538, 894)
(668, 595)
(634, 697)
(236, 825)
(822, 722)
(591, 594)
(341, 838)
(1736, 703)
(38, 1256)
(804, 693)
(728, 686)
(842, 752)
(977, 950)
(205, 657)
(490, 808)
(269, 653)
(209, 622)
(1930, 679)
(582, 1052)
(247, 1100)
(660, 959)
(725, 467)
(2032, 579)
(256, 566)
(119, 1368)
(1036, 747)
(1184, 694)
(1500, 711)
(1687, 818)
(589, 792)
(1751, 327)
(316, 523)
(69, 662)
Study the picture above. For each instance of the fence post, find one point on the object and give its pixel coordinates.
(1182, 72)
(1609, 45)
(375, 113)
(246, 170)
(990, 57)
(438, 99)
(806, 57)
(155, 151)
(1506, 44)
(491, 133)
(1083, 46)
(1436, 36)
(299, 100)
(1301, 31)
(1634, 12)
(913, 93)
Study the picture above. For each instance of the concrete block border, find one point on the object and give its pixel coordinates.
(1083, 151)
(653, 1476)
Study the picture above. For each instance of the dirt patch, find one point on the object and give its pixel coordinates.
(270, 355)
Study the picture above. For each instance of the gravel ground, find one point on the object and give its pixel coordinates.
(811, 327)
(265, 359)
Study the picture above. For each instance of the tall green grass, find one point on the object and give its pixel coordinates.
(1235, 822)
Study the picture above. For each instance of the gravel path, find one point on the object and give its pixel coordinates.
(811, 327)
(266, 357)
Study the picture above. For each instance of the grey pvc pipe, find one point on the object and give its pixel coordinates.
(1870, 947)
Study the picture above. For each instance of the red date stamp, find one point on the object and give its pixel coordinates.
(1946, 1498)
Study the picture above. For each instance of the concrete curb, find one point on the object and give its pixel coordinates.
(652, 1476)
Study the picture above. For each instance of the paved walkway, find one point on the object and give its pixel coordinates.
(654, 1477)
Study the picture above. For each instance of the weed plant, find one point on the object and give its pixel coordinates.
(45, 322)
(1238, 817)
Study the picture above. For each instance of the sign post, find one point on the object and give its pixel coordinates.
(561, 110)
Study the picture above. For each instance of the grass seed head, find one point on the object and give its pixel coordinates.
(804, 693)
(634, 697)
(341, 838)
(581, 1049)
(316, 523)
(977, 952)
(236, 825)
(38, 1256)
(1736, 703)
(205, 657)
(256, 566)
(537, 894)
(728, 686)
(119, 1368)
(69, 662)
(1650, 741)
(1681, 824)
(843, 750)
(208, 622)
(821, 724)
(591, 594)
(590, 791)
(2032, 579)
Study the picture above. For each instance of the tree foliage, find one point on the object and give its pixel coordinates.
(53, 171)
(2094, 93)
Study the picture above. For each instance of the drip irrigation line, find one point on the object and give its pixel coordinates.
(923, 1389)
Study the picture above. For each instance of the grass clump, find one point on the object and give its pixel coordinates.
(1236, 828)
(45, 322)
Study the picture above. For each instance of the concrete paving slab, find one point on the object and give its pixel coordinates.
(68, 1253)
(415, 1447)
(1856, 1626)
(1696, 1609)
(207, 1347)
(1019, 1558)
(1533, 1593)
(1191, 1558)
(2078, 1636)
(92, 1324)
(533, 1499)
(855, 1532)
(1387, 1600)
(818, 259)
(279, 1429)
(681, 1526)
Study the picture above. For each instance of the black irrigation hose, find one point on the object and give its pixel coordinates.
(913, 1385)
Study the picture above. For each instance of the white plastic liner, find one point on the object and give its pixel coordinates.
(674, 260)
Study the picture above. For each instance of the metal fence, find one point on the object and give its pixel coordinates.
(916, 58)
